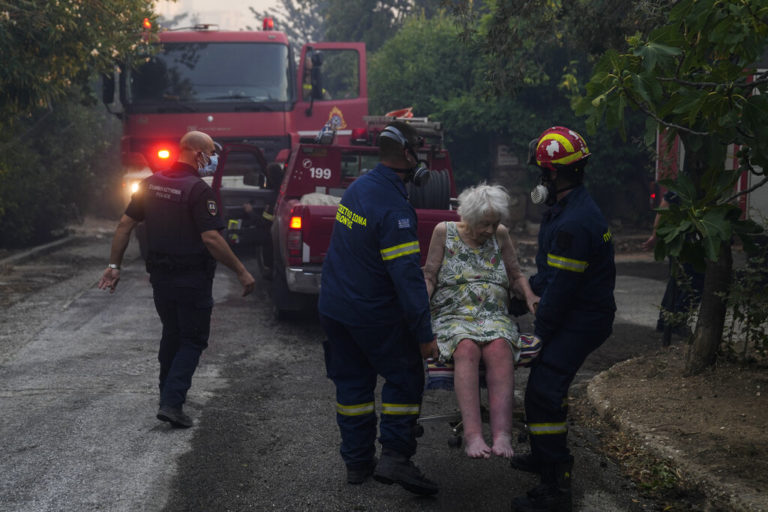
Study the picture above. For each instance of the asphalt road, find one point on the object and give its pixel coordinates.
(78, 397)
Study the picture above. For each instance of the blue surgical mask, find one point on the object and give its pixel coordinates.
(209, 168)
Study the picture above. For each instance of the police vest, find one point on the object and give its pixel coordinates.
(171, 229)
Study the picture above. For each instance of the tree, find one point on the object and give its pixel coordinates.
(301, 20)
(695, 77)
(429, 65)
(52, 144)
(47, 47)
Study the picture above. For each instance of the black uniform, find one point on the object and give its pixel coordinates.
(176, 207)
(575, 279)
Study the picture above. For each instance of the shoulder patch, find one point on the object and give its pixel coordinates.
(213, 209)
(404, 223)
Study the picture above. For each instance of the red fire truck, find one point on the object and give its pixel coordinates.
(244, 87)
(316, 176)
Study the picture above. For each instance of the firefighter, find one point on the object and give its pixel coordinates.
(575, 280)
(183, 223)
(374, 309)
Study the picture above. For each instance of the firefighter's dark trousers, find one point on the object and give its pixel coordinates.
(354, 357)
(546, 395)
(186, 316)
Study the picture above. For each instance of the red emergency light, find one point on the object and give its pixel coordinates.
(146, 24)
(294, 240)
(268, 24)
(163, 154)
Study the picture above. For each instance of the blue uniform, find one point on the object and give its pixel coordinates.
(374, 308)
(575, 279)
(176, 207)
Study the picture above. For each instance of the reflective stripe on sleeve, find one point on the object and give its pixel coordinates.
(265, 214)
(400, 409)
(566, 263)
(396, 251)
(542, 429)
(355, 409)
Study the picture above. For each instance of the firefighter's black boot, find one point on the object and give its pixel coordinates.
(554, 492)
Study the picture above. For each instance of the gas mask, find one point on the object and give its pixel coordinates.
(418, 174)
(207, 169)
(545, 191)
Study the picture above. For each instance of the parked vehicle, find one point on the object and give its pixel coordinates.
(240, 87)
(315, 179)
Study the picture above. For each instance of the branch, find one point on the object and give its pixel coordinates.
(747, 191)
(704, 85)
(659, 120)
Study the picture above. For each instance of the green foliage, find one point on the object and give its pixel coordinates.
(53, 140)
(432, 67)
(51, 45)
(57, 162)
(693, 76)
(746, 336)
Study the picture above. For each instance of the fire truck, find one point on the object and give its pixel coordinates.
(316, 176)
(243, 88)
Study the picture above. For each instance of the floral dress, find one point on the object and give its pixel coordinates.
(471, 298)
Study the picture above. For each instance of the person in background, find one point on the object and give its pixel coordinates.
(374, 309)
(471, 270)
(684, 286)
(183, 224)
(575, 278)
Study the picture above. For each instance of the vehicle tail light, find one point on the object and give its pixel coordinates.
(163, 154)
(359, 136)
(294, 240)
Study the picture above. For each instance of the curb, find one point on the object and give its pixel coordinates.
(40, 250)
(735, 497)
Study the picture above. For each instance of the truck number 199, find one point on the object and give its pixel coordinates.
(319, 173)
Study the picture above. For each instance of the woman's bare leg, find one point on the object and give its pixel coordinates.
(500, 377)
(466, 359)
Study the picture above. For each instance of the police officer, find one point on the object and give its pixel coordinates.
(183, 223)
(575, 281)
(374, 309)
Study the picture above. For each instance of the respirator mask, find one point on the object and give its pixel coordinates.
(545, 191)
(418, 174)
(208, 167)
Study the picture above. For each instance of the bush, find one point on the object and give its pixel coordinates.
(55, 165)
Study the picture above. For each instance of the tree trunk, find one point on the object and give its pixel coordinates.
(702, 350)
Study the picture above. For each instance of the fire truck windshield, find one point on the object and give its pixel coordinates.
(222, 76)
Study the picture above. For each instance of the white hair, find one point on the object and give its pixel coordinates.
(475, 202)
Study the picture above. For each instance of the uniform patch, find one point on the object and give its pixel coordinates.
(404, 223)
(213, 209)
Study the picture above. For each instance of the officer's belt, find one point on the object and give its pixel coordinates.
(160, 262)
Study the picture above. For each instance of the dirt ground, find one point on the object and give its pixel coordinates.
(696, 443)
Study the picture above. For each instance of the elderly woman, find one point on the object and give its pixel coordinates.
(471, 270)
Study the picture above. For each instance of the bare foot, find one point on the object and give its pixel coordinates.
(476, 448)
(502, 447)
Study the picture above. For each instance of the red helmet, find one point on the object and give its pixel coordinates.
(560, 146)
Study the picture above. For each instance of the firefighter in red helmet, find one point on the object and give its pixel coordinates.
(575, 277)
